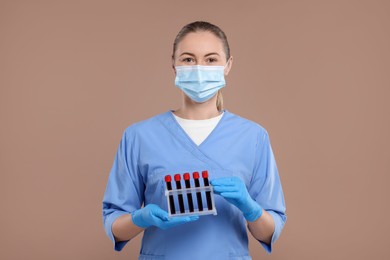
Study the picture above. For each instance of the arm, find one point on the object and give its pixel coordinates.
(266, 189)
(124, 229)
(263, 228)
(124, 193)
(262, 204)
(123, 215)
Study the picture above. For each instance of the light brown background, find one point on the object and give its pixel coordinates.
(75, 74)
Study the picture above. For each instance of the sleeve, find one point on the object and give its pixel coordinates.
(125, 187)
(266, 187)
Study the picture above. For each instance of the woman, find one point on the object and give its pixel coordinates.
(200, 135)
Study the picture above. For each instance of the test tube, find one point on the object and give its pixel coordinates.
(186, 177)
(198, 194)
(179, 196)
(168, 180)
(205, 176)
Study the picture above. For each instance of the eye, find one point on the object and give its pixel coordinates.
(187, 60)
(211, 60)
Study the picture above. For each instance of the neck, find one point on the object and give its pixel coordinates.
(198, 111)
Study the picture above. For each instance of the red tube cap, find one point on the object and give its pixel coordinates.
(186, 176)
(168, 178)
(196, 175)
(177, 177)
(205, 174)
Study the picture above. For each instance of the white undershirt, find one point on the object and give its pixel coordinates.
(198, 130)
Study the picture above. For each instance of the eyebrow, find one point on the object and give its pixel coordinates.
(193, 55)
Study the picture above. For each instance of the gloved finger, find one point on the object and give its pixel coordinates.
(219, 189)
(178, 221)
(183, 219)
(231, 195)
(159, 213)
(225, 181)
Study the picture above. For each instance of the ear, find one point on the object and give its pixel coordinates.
(229, 65)
(173, 66)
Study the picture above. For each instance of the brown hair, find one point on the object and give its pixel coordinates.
(208, 27)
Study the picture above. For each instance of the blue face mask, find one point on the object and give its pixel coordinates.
(200, 83)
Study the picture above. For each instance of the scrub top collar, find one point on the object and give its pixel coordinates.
(169, 121)
(188, 138)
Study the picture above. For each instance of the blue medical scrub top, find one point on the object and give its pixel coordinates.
(158, 146)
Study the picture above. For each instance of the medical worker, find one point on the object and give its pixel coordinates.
(199, 135)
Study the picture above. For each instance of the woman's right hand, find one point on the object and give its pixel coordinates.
(153, 215)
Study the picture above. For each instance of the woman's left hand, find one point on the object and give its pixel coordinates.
(233, 189)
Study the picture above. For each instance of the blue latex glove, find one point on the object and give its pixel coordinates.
(153, 215)
(233, 189)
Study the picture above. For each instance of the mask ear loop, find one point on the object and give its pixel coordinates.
(227, 63)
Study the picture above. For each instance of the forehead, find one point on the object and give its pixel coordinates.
(199, 43)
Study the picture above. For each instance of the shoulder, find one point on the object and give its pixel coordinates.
(245, 124)
(249, 129)
(147, 125)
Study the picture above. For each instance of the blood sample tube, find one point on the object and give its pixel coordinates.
(168, 180)
(179, 196)
(205, 176)
(198, 194)
(186, 177)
